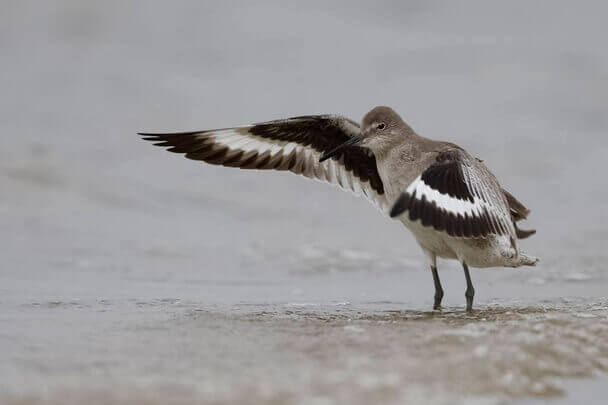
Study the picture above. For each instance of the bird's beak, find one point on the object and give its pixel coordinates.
(352, 141)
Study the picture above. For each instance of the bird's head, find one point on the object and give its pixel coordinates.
(380, 128)
(380, 124)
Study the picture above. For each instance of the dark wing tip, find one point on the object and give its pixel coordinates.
(152, 135)
(518, 210)
(168, 139)
(156, 139)
(175, 133)
(400, 205)
(523, 233)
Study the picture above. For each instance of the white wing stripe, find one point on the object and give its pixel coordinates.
(448, 203)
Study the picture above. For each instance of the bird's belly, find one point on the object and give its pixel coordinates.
(430, 239)
(492, 251)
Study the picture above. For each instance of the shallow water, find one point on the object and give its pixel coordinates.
(166, 349)
(130, 275)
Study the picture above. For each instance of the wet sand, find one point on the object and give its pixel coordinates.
(170, 350)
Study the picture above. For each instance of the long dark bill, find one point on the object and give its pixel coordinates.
(337, 149)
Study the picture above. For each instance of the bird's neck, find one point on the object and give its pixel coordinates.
(395, 161)
(388, 146)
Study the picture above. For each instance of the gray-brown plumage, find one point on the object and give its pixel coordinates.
(453, 205)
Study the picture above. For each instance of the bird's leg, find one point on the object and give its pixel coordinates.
(470, 293)
(438, 289)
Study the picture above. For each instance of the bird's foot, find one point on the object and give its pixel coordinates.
(437, 303)
(438, 297)
(469, 297)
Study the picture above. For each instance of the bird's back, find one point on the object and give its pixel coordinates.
(407, 160)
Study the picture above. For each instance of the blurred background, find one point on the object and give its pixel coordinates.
(131, 274)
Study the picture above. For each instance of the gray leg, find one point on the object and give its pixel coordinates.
(438, 289)
(470, 293)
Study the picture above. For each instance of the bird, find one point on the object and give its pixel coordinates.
(450, 201)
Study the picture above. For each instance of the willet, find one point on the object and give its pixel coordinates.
(450, 201)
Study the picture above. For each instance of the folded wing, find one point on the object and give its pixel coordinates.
(293, 144)
(458, 195)
(518, 212)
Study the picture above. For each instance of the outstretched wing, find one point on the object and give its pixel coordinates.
(458, 195)
(293, 144)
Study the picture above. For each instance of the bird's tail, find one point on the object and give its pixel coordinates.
(523, 233)
(525, 260)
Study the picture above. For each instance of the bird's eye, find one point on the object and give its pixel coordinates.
(381, 126)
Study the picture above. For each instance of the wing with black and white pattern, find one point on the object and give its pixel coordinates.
(458, 195)
(293, 144)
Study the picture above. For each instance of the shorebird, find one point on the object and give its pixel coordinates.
(453, 205)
